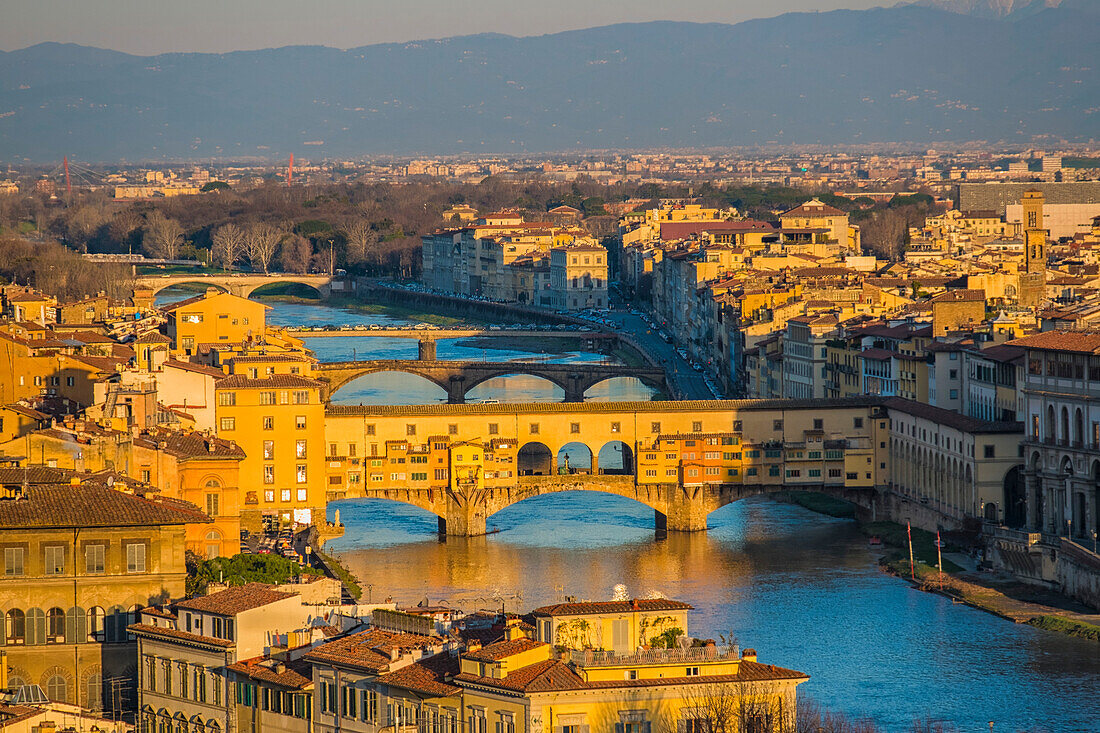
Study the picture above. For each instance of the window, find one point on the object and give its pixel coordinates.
(145, 475)
(493, 430)
(269, 495)
(691, 672)
(94, 556)
(212, 504)
(534, 428)
(300, 449)
(227, 399)
(57, 689)
(697, 426)
(857, 423)
(284, 495)
(300, 473)
(55, 626)
(13, 561)
(574, 427)
(819, 424)
(135, 558)
(300, 422)
(301, 397)
(269, 474)
(989, 451)
(228, 423)
(267, 398)
(655, 427)
(55, 560)
(410, 429)
(777, 425)
(301, 494)
(16, 626)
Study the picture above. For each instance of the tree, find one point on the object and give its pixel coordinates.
(296, 254)
(163, 237)
(260, 242)
(214, 186)
(361, 239)
(241, 569)
(227, 245)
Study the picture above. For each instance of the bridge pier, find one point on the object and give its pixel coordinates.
(456, 390)
(464, 518)
(574, 389)
(685, 511)
(426, 349)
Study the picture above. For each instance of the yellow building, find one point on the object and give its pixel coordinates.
(80, 561)
(815, 214)
(279, 422)
(214, 318)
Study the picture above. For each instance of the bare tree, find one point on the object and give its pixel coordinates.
(361, 239)
(227, 245)
(260, 242)
(296, 254)
(163, 236)
(884, 234)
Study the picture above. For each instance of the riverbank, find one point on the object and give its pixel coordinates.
(994, 593)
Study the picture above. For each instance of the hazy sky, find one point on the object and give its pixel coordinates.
(160, 26)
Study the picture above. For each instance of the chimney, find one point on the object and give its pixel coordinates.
(748, 655)
(634, 604)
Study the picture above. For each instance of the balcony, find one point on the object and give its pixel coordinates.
(590, 658)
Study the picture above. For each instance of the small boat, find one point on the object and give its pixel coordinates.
(875, 540)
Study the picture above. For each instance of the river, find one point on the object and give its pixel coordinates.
(801, 588)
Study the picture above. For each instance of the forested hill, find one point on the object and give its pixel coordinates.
(907, 73)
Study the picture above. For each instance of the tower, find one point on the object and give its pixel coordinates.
(1033, 278)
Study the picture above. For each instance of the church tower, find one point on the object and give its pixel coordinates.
(1032, 282)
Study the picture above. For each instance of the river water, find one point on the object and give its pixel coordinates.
(801, 588)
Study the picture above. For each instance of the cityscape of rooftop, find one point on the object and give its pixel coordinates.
(428, 368)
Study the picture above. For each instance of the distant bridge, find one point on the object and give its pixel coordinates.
(459, 377)
(242, 284)
(445, 333)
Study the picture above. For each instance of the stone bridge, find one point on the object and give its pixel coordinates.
(459, 377)
(242, 284)
(679, 508)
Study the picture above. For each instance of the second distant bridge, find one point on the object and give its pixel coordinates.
(459, 377)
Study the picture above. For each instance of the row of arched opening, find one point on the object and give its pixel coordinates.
(37, 626)
(945, 481)
(60, 685)
(394, 387)
(163, 721)
(536, 459)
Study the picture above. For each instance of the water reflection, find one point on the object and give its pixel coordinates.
(802, 588)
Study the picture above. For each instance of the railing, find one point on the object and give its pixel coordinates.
(590, 658)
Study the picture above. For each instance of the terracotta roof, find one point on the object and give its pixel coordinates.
(33, 475)
(198, 368)
(428, 676)
(177, 634)
(1079, 342)
(811, 209)
(369, 650)
(295, 675)
(595, 607)
(502, 649)
(951, 419)
(671, 230)
(266, 358)
(240, 381)
(960, 296)
(237, 599)
(27, 411)
(64, 505)
(190, 444)
(152, 337)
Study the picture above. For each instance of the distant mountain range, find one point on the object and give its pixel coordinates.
(906, 73)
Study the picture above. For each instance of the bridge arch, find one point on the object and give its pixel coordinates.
(535, 458)
(252, 292)
(577, 457)
(345, 388)
(656, 384)
(616, 457)
(557, 391)
(611, 388)
(177, 283)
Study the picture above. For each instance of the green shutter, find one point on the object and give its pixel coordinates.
(36, 626)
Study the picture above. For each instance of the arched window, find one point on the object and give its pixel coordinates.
(1065, 426)
(16, 623)
(1050, 423)
(57, 688)
(132, 617)
(55, 627)
(93, 688)
(213, 544)
(1078, 427)
(97, 620)
(213, 484)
